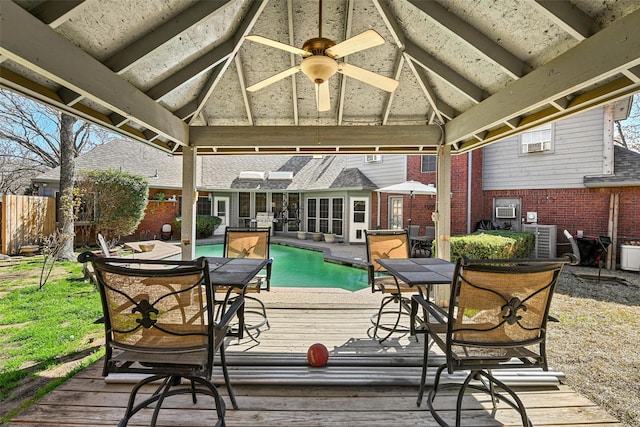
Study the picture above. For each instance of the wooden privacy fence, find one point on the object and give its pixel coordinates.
(25, 220)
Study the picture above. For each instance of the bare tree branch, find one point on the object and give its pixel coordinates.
(30, 139)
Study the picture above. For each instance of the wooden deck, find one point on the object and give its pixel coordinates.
(365, 383)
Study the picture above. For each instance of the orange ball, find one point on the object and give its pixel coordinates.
(317, 355)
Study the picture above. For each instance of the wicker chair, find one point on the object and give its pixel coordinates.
(159, 322)
(388, 244)
(496, 319)
(250, 243)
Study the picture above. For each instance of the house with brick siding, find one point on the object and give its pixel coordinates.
(568, 175)
(289, 193)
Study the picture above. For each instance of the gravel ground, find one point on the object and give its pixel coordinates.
(597, 341)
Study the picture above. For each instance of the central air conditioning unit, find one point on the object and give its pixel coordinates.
(535, 147)
(505, 212)
(545, 246)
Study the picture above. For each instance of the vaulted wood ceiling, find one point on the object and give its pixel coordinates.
(175, 72)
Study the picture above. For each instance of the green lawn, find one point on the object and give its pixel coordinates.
(41, 329)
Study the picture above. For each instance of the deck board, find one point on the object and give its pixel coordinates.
(274, 387)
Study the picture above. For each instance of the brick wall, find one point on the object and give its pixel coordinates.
(576, 209)
(423, 206)
(155, 216)
(584, 209)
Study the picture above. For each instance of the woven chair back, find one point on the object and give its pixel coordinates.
(502, 305)
(247, 243)
(151, 306)
(382, 244)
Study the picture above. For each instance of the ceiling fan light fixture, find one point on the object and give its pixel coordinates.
(319, 68)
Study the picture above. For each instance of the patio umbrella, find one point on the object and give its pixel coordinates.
(408, 187)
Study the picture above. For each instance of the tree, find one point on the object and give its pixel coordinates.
(35, 137)
(30, 140)
(67, 171)
(628, 131)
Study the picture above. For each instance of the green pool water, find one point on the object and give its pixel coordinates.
(294, 267)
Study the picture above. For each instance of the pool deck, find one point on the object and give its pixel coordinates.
(364, 383)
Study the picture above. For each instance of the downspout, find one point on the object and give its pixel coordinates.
(469, 181)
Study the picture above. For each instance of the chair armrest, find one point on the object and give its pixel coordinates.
(268, 278)
(418, 301)
(371, 274)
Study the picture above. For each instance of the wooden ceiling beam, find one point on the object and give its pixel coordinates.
(568, 17)
(202, 64)
(617, 48)
(122, 60)
(56, 13)
(512, 65)
(429, 62)
(236, 42)
(425, 85)
(96, 82)
(243, 89)
(321, 138)
(293, 61)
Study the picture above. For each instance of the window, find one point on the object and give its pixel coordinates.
(337, 208)
(203, 206)
(537, 140)
(325, 215)
(359, 211)
(428, 163)
(371, 158)
(312, 214)
(244, 205)
(396, 206)
(261, 202)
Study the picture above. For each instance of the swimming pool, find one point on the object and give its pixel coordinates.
(295, 267)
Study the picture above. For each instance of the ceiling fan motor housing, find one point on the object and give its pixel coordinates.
(318, 45)
(319, 67)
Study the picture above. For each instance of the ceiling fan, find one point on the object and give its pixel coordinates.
(319, 62)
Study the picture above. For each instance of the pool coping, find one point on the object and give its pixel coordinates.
(348, 254)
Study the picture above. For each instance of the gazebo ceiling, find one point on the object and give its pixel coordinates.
(175, 72)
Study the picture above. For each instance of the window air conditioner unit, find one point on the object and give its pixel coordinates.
(535, 147)
(505, 212)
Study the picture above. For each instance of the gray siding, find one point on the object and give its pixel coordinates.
(392, 169)
(578, 147)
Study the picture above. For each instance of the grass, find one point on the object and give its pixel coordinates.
(41, 329)
(25, 403)
(596, 341)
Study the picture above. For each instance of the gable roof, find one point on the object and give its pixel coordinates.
(626, 171)
(308, 173)
(175, 72)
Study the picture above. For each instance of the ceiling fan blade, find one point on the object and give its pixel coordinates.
(278, 45)
(266, 82)
(368, 77)
(362, 41)
(322, 96)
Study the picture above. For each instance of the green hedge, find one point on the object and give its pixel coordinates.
(205, 225)
(492, 244)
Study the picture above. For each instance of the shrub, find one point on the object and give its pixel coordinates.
(205, 225)
(492, 244)
(119, 200)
